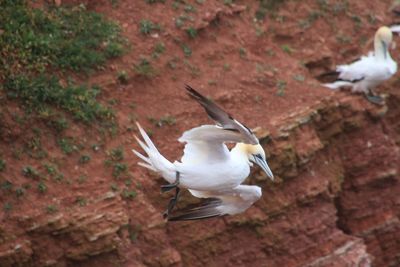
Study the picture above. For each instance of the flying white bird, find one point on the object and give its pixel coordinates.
(208, 168)
(369, 71)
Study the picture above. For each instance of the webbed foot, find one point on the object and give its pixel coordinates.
(169, 187)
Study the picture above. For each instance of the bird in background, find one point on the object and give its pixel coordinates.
(395, 9)
(208, 169)
(366, 73)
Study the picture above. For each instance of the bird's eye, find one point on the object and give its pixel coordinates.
(258, 156)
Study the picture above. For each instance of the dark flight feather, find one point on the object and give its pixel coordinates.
(221, 117)
(333, 76)
(207, 209)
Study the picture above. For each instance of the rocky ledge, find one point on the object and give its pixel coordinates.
(336, 202)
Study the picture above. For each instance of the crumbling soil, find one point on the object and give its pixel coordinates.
(336, 201)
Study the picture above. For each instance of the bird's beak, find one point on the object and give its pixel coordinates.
(385, 49)
(264, 166)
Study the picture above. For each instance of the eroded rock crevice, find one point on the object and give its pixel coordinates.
(364, 145)
(336, 199)
(368, 204)
(336, 202)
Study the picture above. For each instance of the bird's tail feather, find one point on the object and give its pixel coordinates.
(154, 160)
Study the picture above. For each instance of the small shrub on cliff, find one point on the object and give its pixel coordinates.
(7, 207)
(144, 68)
(119, 169)
(117, 154)
(191, 32)
(129, 194)
(42, 187)
(2, 164)
(51, 209)
(147, 26)
(34, 42)
(30, 172)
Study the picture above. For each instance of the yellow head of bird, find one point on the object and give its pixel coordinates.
(256, 154)
(384, 34)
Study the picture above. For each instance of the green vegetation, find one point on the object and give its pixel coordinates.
(117, 154)
(287, 49)
(31, 172)
(242, 52)
(59, 123)
(154, 1)
(67, 145)
(129, 194)
(227, 67)
(7, 185)
(34, 41)
(267, 6)
(114, 187)
(82, 178)
(145, 69)
(134, 232)
(186, 50)
(68, 38)
(53, 171)
(81, 201)
(119, 169)
(84, 159)
(147, 26)
(189, 8)
(19, 191)
(7, 207)
(51, 209)
(281, 86)
(191, 32)
(2, 164)
(43, 90)
(299, 78)
(42, 187)
(159, 49)
(122, 77)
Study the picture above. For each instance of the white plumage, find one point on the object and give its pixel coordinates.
(369, 71)
(208, 168)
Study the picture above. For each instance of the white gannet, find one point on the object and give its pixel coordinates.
(208, 168)
(369, 71)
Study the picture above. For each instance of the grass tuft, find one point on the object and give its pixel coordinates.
(147, 26)
(35, 41)
(39, 92)
(68, 38)
(145, 69)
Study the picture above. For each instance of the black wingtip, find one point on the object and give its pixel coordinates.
(190, 217)
(207, 209)
(193, 93)
(396, 11)
(328, 77)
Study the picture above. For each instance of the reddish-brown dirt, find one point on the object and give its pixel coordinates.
(336, 201)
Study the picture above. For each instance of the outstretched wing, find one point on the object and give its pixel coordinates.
(223, 119)
(220, 203)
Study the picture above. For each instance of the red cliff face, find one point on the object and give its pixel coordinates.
(336, 157)
(335, 203)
